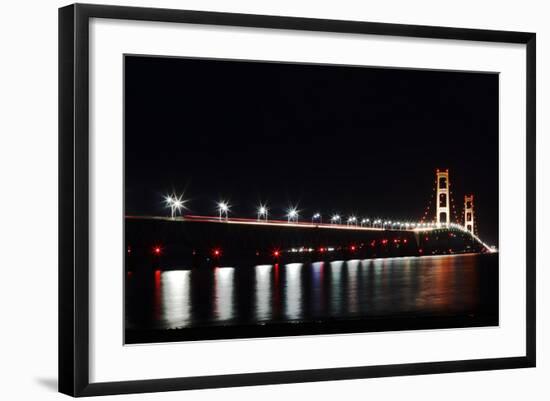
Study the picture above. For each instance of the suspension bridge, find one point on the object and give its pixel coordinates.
(187, 238)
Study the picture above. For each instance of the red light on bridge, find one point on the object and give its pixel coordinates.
(157, 250)
(405, 241)
(216, 252)
(321, 250)
(384, 241)
(276, 253)
(352, 248)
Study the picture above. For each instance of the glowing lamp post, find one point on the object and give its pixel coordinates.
(175, 203)
(335, 219)
(223, 210)
(352, 220)
(262, 213)
(292, 214)
(317, 217)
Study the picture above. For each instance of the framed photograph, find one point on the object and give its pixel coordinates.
(249, 199)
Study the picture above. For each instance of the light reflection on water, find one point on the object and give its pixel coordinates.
(352, 293)
(175, 289)
(223, 293)
(336, 289)
(297, 291)
(263, 292)
(317, 288)
(293, 290)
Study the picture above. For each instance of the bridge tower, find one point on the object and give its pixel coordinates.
(442, 210)
(469, 213)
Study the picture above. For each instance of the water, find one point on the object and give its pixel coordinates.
(383, 291)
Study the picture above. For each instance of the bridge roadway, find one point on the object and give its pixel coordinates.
(311, 225)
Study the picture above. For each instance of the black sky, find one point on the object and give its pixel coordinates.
(352, 140)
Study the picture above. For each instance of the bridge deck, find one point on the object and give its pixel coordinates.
(275, 223)
(283, 223)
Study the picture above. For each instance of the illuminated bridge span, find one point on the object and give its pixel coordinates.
(417, 228)
(193, 240)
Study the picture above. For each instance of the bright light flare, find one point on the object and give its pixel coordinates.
(175, 203)
(292, 214)
(223, 209)
(262, 212)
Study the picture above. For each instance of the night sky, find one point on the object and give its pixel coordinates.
(351, 140)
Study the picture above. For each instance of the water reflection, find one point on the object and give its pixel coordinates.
(337, 289)
(379, 293)
(352, 292)
(176, 298)
(436, 287)
(317, 288)
(224, 293)
(263, 292)
(407, 287)
(293, 290)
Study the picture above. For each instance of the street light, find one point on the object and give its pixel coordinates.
(262, 212)
(223, 209)
(364, 221)
(335, 218)
(292, 214)
(351, 220)
(175, 203)
(317, 217)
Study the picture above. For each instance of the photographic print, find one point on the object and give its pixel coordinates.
(271, 199)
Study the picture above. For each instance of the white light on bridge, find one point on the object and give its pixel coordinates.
(262, 212)
(292, 214)
(175, 203)
(223, 209)
(316, 217)
(335, 218)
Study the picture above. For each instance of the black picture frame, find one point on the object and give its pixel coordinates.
(74, 198)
